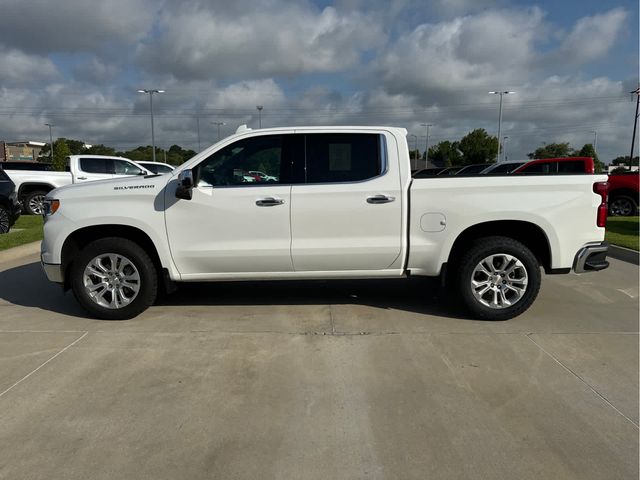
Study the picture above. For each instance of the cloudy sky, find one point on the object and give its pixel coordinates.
(78, 64)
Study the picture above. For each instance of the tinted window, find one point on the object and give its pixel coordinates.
(342, 157)
(256, 160)
(96, 165)
(571, 167)
(505, 168)
(543, 167)
(155, 168)
(122, 167)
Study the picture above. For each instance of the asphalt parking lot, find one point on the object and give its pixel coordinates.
(320, 381)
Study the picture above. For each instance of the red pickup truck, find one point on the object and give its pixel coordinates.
(623, 194)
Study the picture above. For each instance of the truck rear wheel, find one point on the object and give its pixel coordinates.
(622, 206)
(498, 278)
(114, 279)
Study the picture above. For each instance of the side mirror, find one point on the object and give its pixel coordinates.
(185, 185)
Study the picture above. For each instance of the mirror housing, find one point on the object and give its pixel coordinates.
(185, 185)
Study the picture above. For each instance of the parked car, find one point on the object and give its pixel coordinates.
(561, 165)
(38, 166)
(9, 205)
(263, 177)
(501, 168)
(156, 167)
(426, 172)
(344, 206)
(32, 186)
(473, 169)
(623, 194)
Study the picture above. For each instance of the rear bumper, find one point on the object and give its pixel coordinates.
(591, 258)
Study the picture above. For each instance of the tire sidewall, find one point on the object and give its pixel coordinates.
(134, 253)
(27, 200)
(4, 212)
(490, 246)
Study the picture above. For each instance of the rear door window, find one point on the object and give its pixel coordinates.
(342, 157)
(96, 165)
(571, 167)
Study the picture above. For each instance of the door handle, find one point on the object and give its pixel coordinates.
(269, 202)
(82, 178)
(380, 199)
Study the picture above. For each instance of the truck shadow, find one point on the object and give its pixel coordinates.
(27, 286)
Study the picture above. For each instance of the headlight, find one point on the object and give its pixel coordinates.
(50, 206)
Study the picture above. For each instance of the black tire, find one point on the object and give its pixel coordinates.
(131, 251)
(5, 220)
(622, 206)
(32, 202)
(480, 250)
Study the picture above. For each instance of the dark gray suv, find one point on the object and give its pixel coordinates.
(9, 205)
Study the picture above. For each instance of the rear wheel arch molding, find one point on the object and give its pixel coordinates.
(26, 188)
(528, 233)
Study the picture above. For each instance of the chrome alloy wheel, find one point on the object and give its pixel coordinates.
(621, 207)
(499, 281)
(111, 280)
(36, 204)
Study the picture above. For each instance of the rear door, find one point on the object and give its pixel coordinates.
(347, 216)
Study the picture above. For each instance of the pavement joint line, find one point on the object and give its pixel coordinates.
(582, 380)
(43, 364)
(43, 331)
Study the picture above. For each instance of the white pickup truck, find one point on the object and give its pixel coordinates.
(344, 205)
(33, 185)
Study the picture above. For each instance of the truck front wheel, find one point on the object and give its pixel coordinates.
(114, 279)
(33, 202)
(498, 278)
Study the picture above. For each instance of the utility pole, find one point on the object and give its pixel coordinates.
(415, 155)
(259, 107)
(504, 146)
(218, 124)
(502, 93)
(636, 92)
(151, 91)
(51, 140)
(426, 152)
(198, 127)
(595, 142)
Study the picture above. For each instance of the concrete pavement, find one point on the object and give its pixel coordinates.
(320, 380)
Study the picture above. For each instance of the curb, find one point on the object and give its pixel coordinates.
(624, 254)
(20, 251)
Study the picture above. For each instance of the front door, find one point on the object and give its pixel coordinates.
(237, 221)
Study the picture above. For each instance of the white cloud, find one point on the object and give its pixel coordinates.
(19, 68)
(199, 43)
(592, 37)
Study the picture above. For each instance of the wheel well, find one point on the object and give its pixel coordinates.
(624, 192)
(33, 187)
(529, 234)
(82, 237)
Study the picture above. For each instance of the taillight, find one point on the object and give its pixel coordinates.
(601, 188)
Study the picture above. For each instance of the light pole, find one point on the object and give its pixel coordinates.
(151, 91)
(50, 140)
(415, 155)
(504, 147)
(259, 107)
(426, 152)
(502, 93)
(198, 128)
(218, 124)
(636, 92)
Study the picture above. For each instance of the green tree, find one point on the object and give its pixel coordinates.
(588, 151)
(625, 160)
(445, 154)
(100, 150)
(552, 150)
(60, 153)
(478, 147)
